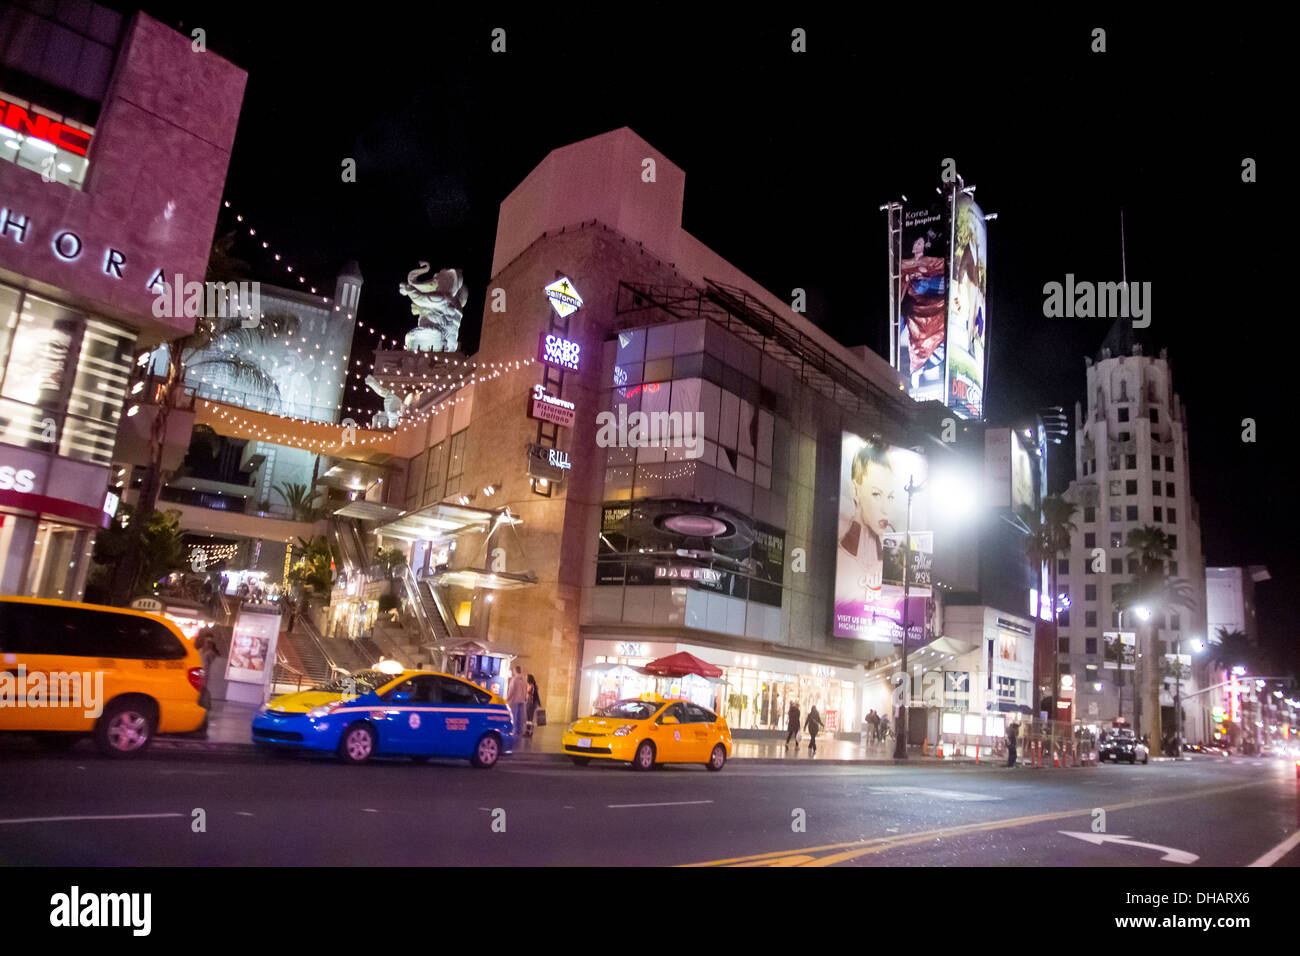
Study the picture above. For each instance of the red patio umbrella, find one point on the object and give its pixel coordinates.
(681, 664)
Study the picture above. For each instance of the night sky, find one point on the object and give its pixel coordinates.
(788, 159)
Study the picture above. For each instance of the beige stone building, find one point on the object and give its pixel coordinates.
(716, 534)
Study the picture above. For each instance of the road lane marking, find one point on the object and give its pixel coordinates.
(856, 848)
(1097, 839)
(1279, 851)
(114, 816)
(929, 792)
(675, 803)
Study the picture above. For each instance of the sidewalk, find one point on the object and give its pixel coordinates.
(229, 726)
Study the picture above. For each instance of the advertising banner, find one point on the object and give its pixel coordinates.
(967, 314)
(869, 558)
(1121, 650)
(252, 648)
(923, 299)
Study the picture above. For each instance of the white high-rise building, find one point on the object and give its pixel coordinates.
(1132, 470)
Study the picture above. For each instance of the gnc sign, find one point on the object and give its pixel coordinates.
(20, 120)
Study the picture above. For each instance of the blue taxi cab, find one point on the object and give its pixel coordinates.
(416, 714)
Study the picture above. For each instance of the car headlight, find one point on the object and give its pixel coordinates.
(263, 710)
(624, 730)
(326, 709)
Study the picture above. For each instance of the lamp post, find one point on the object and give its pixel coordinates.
(900, 742)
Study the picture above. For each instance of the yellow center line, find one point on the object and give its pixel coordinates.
(856, 848)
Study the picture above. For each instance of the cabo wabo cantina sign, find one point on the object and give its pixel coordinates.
(45, 128)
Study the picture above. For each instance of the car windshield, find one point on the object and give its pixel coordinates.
(630, 710)
(362, 682)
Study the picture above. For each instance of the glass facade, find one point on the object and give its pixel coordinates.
(63, 378)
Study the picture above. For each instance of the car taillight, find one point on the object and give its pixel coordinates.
(195, 674)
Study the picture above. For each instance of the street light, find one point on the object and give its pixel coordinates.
(900, 742)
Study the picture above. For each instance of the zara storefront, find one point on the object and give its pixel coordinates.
(754, 692)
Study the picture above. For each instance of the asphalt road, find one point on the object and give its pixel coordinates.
(78, 809)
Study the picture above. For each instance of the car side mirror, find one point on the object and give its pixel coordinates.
(668, 720)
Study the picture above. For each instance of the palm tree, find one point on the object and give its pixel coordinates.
(299, 499)
(313, 568)
(1234, 650)
(1161, 595)
(1050, 533)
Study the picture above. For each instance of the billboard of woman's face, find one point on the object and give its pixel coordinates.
(873, 504)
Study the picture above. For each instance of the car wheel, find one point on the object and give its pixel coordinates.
(358, 744)
(581, 761)
(1132, 760)
(1145, 759)
(718, 758)
(644, 759)
(486, 752)
(126, 728)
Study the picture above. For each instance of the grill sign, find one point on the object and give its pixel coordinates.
(548, 463)
(554, 350)
(550, 409)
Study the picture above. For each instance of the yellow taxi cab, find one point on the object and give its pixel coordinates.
(68, 669)
(649, 730)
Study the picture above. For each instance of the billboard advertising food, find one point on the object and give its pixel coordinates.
(869, 555)
(967, 314)
(923, 300)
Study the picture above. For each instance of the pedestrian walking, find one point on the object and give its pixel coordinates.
(517, 698)
(873, 722)
(1013, 734)
(534, 701)
(813, 726)
(792, 726)
(205, 642)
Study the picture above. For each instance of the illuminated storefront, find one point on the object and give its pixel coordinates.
(754, 692)
(85, 230)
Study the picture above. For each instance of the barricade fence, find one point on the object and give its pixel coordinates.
(1040, 743)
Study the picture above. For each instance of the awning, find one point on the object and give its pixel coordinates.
(438, 521)
(474, 578)
(681, 664)
(368, 511)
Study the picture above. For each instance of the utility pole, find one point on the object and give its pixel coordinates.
(900, 742)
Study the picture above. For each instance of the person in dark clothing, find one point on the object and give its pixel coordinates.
(533, 701)
(813, 726)
(1013, 734)
(792, 726)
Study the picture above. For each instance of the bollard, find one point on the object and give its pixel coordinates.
(977, 758)
(925, 743)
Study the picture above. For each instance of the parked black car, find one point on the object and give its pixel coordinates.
(1123, 745)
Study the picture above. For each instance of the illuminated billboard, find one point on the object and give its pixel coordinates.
(869, 556)
(923, 300)
(967, 312)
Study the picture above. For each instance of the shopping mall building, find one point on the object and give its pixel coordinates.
(115, 136)
(712, 528)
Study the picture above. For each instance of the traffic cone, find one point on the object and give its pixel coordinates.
(940, 751)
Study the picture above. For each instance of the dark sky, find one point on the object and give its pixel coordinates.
(788, 158)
